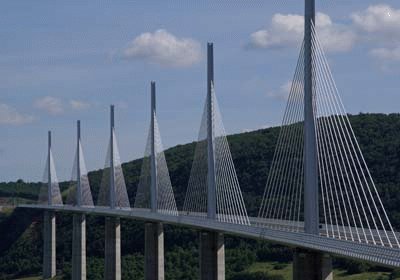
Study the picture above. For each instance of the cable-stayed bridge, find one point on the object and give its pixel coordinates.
(319, 197)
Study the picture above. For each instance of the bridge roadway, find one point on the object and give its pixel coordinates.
(334, 231)
(380, 255)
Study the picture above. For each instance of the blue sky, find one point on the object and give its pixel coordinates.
(66, 60)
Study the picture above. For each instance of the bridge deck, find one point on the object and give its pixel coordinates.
(380, 255)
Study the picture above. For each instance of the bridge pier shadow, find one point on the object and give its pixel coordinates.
(212, 256)
(154, 251)
(49, 245)
(312, 265)
(79, 247)
(112, 268)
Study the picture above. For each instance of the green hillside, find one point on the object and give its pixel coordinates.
(20, 230)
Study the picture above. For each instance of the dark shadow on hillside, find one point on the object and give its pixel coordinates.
(12, 227)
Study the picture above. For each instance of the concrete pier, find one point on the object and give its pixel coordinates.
(312, 265)
(212, 256)
(154, 252)
(49, 245)
(112, 268)
(79, 247)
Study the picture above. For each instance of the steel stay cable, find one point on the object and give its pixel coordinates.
(340, 158)
(228, 199)
(238, 194)
(340, 103)
(333, 152)
(300, 96)
(329, 78)
(271, 177)
(230, 168)
(289, 118)
(296, 146)
(355, 183)
(323, 146)
(325, 120)
(346, 162)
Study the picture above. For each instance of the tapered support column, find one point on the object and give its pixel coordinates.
(154, 252)
(311, 210)
(49, 245)
(154, 179)
(112, 270)
(112, 249)
(79, 247)
(212, 256)
(312, 265)
(112, 161)
(78, 222)
(211, 186)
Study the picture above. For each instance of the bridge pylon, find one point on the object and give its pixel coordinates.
(211, 186)
(114, 195)
(310, 265)
(80, 196)
(49, 195)
(154, 232)
(155, 192)
(212, 253)
(311, 207)
(213, 189)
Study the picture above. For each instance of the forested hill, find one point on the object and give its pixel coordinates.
(252, 152)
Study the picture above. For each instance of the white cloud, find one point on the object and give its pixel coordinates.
(334, 37)
(380, 22)
(78, 104)
(285, 30)
(284, 90)
(282, 93)
(387, 54)
(162, 47)
(288, 30)
(377, 26)
(9, 115)
(378, 18)
(49, 104)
